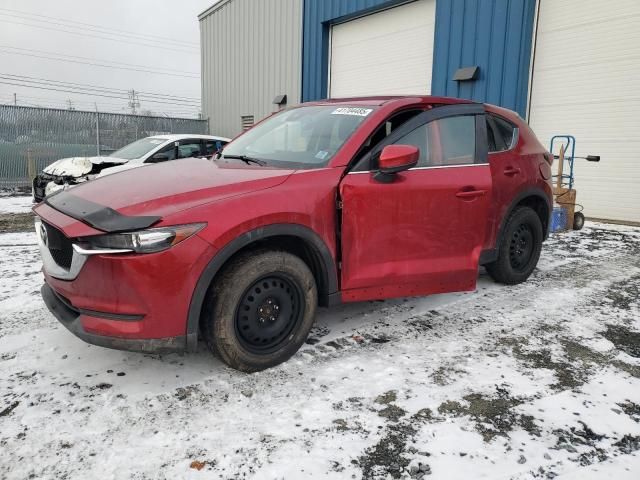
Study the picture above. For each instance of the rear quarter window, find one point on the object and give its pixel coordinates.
(501, 134)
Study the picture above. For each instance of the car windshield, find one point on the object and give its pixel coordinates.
(303, 137)
(138, 148)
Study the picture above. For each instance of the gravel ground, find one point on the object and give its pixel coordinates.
(540, 380)
(15, 213)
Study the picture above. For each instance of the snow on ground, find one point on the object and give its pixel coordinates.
(539, 380)
(14, 204)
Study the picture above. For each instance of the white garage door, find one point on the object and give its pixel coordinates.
(585, 82)
(389, 52)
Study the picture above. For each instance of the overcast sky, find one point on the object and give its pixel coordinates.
(153, 35)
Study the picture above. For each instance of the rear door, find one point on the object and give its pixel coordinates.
(509, 172)
(422, 233)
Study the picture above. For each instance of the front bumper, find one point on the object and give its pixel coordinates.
(38, 188)
(45, 184)
(70, 317)
(127, 301)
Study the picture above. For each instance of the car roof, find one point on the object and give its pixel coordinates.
(183, 136)
(510, 115)
(384, 99)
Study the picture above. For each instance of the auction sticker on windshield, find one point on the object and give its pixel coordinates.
(358, 112)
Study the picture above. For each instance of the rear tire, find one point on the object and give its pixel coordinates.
(519, 249)
(578, 221)
(260, 310)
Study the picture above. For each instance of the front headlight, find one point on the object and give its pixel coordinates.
(144, 241)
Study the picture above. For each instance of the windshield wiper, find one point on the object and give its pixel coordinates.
(245, 159)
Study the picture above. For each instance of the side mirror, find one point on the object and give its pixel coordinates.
(395, 159)
(158, 158)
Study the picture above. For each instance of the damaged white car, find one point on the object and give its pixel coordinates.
(68, 172)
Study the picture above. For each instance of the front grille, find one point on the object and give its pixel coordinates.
(59, 246)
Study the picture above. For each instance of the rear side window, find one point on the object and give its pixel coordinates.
(445, 142)
(501, 134)
(457, 139)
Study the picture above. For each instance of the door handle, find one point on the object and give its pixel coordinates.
(470, 194)
(511, 171)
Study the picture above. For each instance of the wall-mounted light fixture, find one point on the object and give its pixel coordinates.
(280, 100)
(466, 74)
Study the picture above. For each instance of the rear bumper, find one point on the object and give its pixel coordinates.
(69, 316)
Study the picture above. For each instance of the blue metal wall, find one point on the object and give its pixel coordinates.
(493, 34)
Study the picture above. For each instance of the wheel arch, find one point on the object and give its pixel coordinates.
(535, 198)
(297, 239)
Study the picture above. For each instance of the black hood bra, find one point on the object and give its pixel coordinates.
(98, 216)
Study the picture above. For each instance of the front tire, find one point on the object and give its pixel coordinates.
(519, 249)
(260, 310)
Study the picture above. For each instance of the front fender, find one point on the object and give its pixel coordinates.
(325, 261)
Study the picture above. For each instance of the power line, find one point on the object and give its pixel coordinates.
(52, 100)
(5, 82)
(78, 88)
(116, 65)
(97, 60)
(99, 27)
(98, 87)
(156, 113)
(49, 102)
(85, 34)
(105, 107)
(59, 103)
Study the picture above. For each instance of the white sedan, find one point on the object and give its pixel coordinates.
(67, 172)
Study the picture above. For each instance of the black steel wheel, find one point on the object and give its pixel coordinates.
(268, 312)
(260, 309)
(519, 247)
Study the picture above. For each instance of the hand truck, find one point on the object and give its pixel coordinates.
(564, 215)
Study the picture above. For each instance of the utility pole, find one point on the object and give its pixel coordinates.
(97, 130)
(134, 102)
(15, 100)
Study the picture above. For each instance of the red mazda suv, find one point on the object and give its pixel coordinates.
(327, 202)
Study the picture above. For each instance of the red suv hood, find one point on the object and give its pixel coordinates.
(170, 187)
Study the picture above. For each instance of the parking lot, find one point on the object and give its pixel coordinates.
(539, 380)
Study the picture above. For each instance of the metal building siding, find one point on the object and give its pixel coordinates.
(585, 80)
(496, 35)
(251, 52)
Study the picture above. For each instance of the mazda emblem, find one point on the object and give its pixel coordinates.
(44, 236)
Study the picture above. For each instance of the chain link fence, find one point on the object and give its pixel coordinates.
(32, 138)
